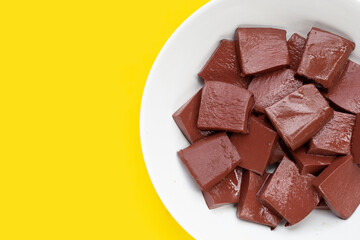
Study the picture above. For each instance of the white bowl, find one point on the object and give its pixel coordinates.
(173, 80)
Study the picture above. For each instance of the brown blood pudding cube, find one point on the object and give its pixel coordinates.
(210, 159)
(249, 207)
(225, 107)
(296, 45)
(288, 193)
(355, 142)
(223, 66)
(335, 137)
(261, 50)
(339, 185)
(324, 57)
(255, 148)
(186, 119)
(311, 163)
(226, 191)
(278, 153)
(271, 87)
(300, 115)
(346, 92)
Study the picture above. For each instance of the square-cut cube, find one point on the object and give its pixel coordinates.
(225, 107)
(271, 87)
(277, 154)
(300, 115)
(186, 119)
(289, 193)
(210, 159)
(339, 185)
(261, 50)
(346, 92)
(311, 163)
(225, 192)
(255, 148)
(223, 66)
(335, 137)
(249, 207)
(324, 57)
(296, 46)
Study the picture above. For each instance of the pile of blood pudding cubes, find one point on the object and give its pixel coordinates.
(267, 101)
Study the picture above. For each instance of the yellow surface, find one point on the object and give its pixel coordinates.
(72, 75)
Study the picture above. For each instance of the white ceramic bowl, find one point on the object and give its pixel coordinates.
(173, 80)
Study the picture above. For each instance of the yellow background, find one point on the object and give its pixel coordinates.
(72, 75)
